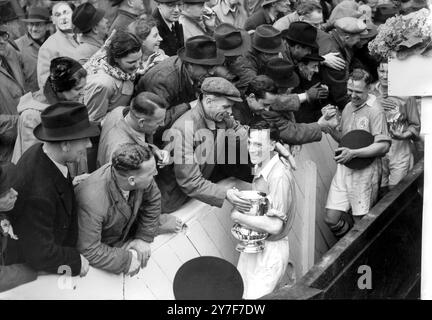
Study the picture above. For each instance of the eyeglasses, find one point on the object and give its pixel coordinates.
(4, 36)
(36, 24)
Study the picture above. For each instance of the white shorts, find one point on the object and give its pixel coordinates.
(262, 272)
(355, 189)
(397, 162)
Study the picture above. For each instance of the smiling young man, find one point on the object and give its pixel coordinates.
(262, 272)
(357, 189)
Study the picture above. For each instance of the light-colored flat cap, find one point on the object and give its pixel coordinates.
(221, 87)
(351, 25)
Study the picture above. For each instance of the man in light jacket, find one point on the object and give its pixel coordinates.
(118, 211)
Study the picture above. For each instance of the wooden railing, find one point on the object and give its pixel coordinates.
(379, 258)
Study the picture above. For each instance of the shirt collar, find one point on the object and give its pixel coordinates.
(63, 169)
(369, 102)
(265, 172)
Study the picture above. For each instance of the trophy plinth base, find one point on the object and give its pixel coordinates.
(250, 247)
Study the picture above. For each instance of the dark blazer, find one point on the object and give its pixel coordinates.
(44, 217)
(172, 39)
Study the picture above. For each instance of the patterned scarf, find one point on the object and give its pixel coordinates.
(99, 62)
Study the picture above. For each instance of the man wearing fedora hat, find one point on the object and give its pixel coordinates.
(90, 22)
(194, 132)
(300, 39)
(234, 44)
(271, 11)
(308, 70)
(167, 15)
(45, 217)
(178, 78)
(37, 21)
(15, 274)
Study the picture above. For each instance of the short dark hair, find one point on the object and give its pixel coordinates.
(130, 156)
(143, 26)
(260, 85)
(361, 74)
(261, 124)
(146, 103)
(122, 44)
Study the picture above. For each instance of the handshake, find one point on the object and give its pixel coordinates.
(330, 117)
(317, 92)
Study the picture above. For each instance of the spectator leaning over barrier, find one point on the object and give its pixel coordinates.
(118, 211)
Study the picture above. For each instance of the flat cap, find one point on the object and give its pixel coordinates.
(351, 25)
(221, 87)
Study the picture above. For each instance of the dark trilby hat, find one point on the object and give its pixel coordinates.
(7, 12)
(232, 41)
(38, 14)
(201, 50)
(86, 16)
(208, 278)
(302, 33)
(267, 39)
(8, 176)
(282, 73)
(357, 139)
(65, 121)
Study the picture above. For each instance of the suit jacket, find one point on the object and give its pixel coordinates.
(44, 217)
(172, 40)
(106, 220)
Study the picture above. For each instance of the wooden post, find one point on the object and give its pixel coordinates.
(308, 233)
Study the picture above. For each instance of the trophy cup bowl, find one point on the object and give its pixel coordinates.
(251, 241)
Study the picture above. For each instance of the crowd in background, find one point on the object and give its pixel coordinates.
(90, 90)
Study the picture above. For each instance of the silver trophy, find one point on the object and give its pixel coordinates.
(251, 241)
